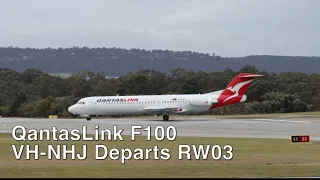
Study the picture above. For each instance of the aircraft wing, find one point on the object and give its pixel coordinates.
(165, 109)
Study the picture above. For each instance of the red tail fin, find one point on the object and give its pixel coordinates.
(236, 89)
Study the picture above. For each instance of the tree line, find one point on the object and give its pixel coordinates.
(33, 93)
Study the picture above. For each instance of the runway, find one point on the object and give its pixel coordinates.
(241, 128)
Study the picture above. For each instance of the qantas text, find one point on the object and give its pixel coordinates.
(119, 100)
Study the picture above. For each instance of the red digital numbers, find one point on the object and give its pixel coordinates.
(304, 138)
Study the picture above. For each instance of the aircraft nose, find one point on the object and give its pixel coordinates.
(71, 109)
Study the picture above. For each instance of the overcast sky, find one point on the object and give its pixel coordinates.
(225, 27)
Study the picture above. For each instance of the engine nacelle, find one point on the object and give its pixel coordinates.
(201, 101)
(181, 110)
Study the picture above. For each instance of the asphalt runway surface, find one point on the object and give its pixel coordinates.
(282, 128)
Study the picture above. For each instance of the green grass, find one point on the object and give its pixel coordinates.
(251, 158)
(315, 114)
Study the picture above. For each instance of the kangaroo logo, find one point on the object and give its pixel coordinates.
(236, 88)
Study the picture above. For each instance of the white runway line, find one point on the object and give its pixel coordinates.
(282, 120)
(6, 121)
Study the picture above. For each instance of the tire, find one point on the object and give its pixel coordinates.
(166, 117)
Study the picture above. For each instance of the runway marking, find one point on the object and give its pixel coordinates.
(282, 120)
(203, 122)
(6, 121)
(242, 121)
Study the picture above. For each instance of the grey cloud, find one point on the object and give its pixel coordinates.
(224, 27)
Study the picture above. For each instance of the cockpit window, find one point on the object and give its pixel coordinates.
(80, 102)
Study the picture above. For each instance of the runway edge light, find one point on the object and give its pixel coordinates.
(300, 139)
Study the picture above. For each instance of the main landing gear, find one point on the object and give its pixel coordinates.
(166, 117)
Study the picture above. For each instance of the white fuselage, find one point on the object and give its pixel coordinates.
(164, 104)
(145, 104)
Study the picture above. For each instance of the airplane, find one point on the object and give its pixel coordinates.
(164, 104)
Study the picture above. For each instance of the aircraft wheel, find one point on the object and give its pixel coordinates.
(165, 117)
(89, 118)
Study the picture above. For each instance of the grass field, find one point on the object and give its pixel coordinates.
(315, 114)
(251, 158)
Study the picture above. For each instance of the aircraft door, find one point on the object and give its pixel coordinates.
(92, 107)
(81, 109)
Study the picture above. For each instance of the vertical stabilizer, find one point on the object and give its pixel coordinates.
(236, 89)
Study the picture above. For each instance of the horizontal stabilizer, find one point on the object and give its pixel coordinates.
(250, 76)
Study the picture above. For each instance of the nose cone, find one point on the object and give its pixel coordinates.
(72, 109)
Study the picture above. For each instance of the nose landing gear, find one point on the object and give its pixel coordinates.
(88, 117)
